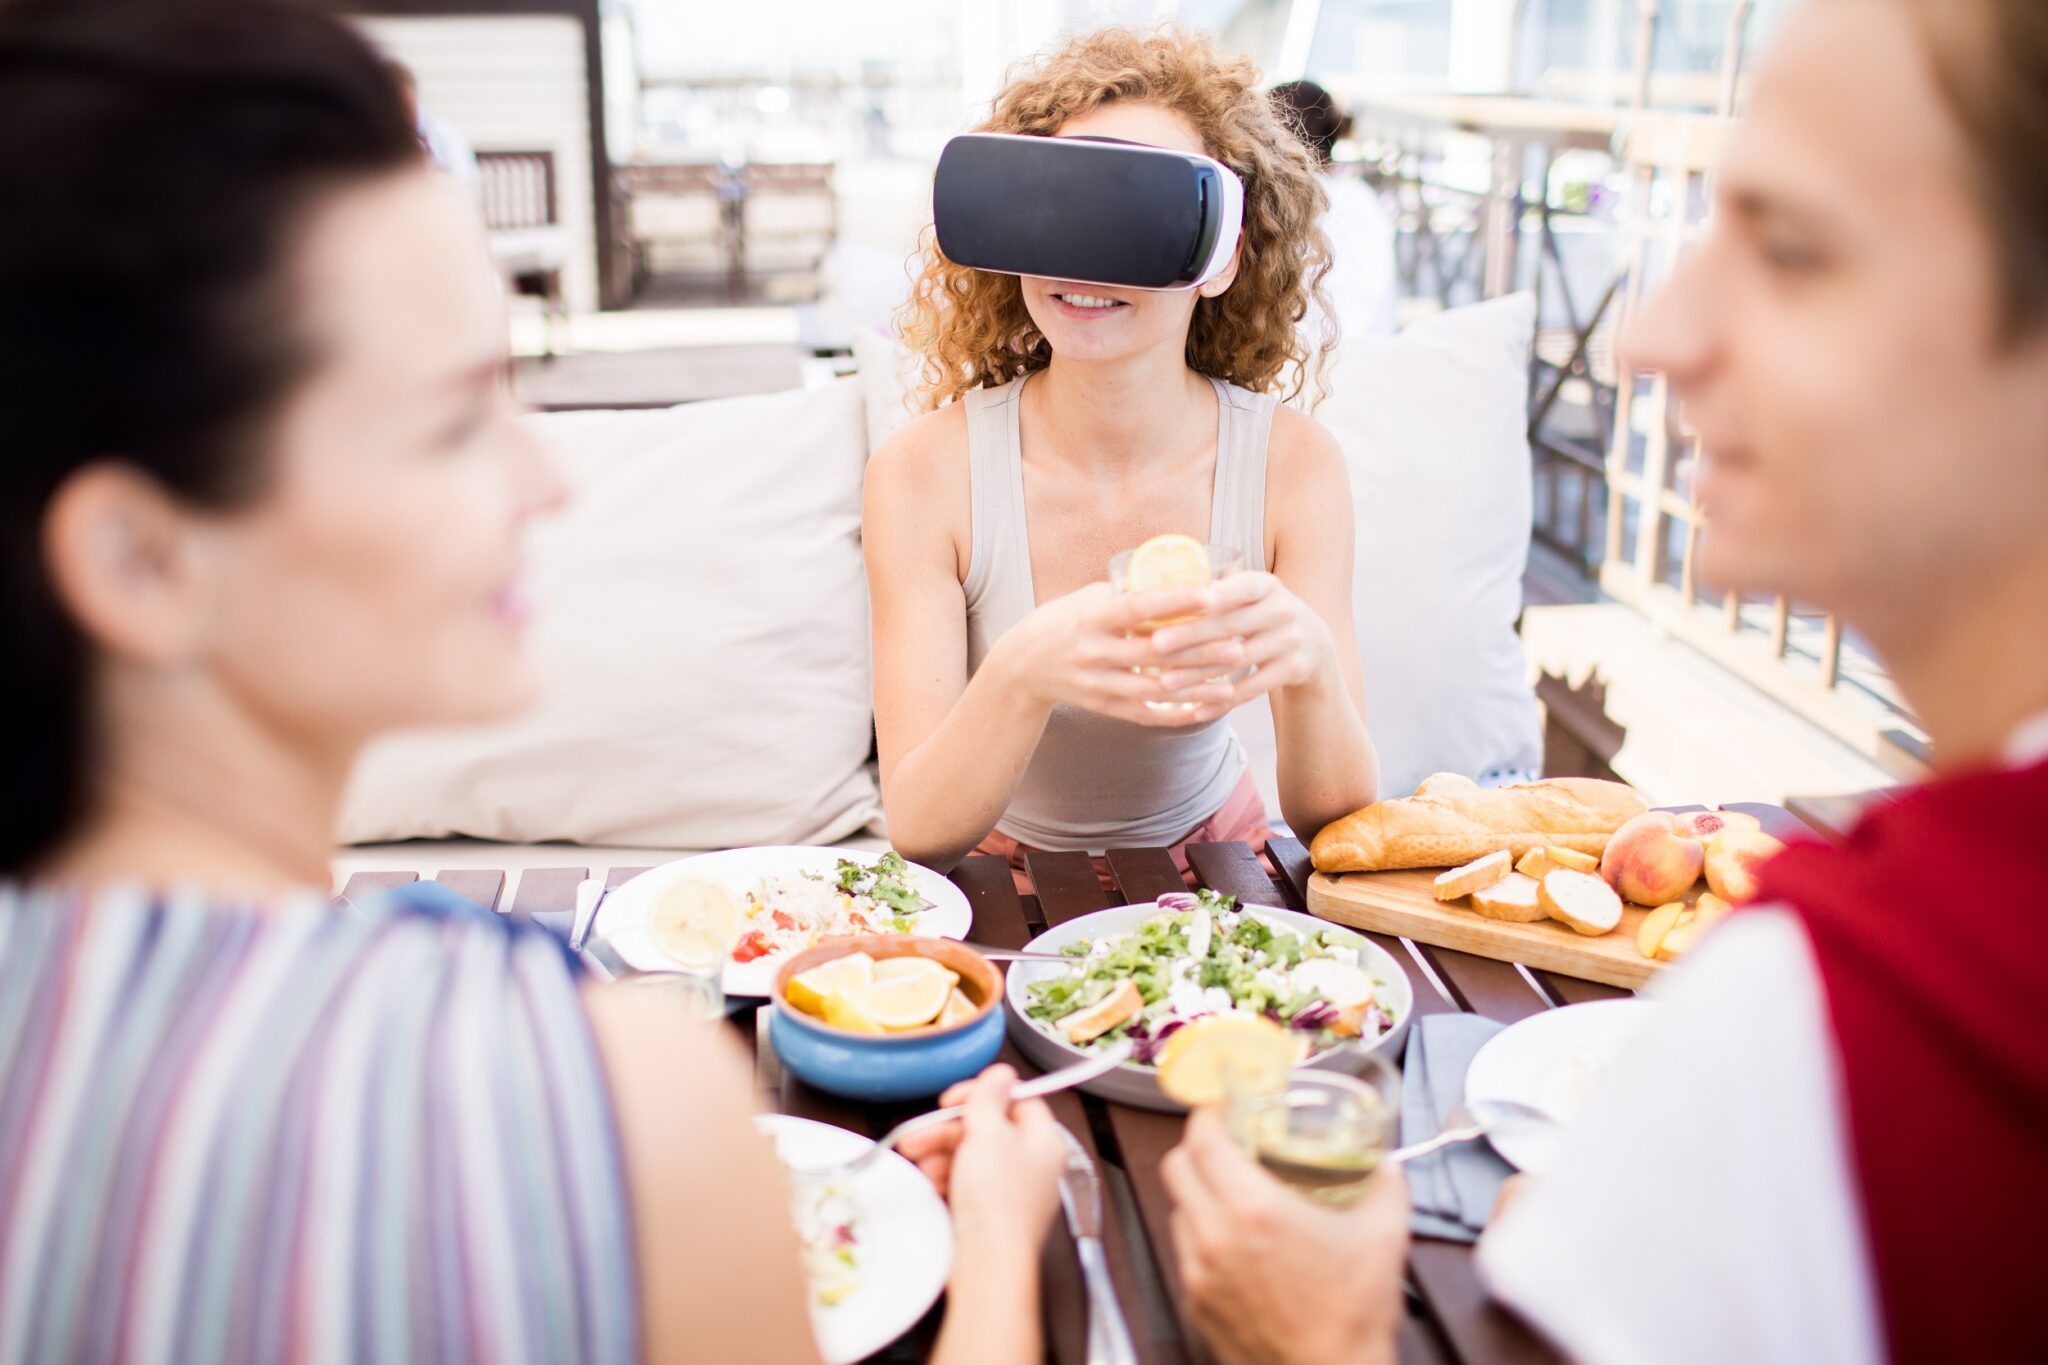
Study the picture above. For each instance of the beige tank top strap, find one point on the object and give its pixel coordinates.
(1237, 518)
(999, 555)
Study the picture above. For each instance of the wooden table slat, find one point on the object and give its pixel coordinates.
(1234, 870)
(474, 884)
(1495, 989)
(1478, 1329)
(1572, 990)
(1066, 885)
(619, 876)
(1290, 855)
(547, 896)
(1144, 874)
(365, 887)
(992, 895)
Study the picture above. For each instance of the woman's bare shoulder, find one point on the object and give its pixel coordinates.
(1304, 463)
(929, 447)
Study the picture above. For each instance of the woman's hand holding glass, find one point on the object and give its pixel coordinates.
(1280, 640)
(1091, 649)
(1273, 1277)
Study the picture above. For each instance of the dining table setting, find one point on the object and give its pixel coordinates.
(1344, 1019)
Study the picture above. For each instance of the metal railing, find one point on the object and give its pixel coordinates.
(1611, 457)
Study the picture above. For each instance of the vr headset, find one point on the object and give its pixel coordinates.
(1087, 210)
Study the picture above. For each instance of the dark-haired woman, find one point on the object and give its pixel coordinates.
(1831, 1142)
(262, 492)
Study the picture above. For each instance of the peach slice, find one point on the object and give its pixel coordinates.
(1534, 864)
(1653, 859)
(1705, 824)
(1733, 859)
(1656, 925)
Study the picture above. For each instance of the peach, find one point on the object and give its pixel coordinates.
(1705, 824)
(1653, 859)
(1733, 857)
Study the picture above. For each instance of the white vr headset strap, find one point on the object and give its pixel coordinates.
(1232, 225)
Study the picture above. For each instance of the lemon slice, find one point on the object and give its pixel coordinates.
(1168, 561)
(906, 998)
(1214, 1057)
(844, 1011)
(959, 1009)
(910, 967)
(809, 990)
(695, 922)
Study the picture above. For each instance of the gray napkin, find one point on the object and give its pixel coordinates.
(1453, 1189)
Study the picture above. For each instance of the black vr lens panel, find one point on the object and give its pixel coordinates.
(1083, 210)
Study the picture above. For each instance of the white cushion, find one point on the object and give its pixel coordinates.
(703, 616)
(1433, 423)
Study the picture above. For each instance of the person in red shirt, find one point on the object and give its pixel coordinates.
(1831, 1143)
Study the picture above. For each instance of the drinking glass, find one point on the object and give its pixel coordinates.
(1223, 562)
(1321, 1132)
(699, 992)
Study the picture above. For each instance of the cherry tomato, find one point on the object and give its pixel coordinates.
(751, 946)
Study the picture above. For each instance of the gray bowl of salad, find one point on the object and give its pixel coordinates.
(1141, 972)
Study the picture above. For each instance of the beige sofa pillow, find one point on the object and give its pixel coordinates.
(703, 621)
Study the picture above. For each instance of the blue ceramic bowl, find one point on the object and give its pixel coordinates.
(911, 1065)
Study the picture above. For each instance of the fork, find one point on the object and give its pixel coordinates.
(1066, 1078)
(1466, 1122)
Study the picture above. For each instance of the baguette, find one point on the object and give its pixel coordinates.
(1581, 900)
(1513, 900)
(1451, 820)
(1476, 875)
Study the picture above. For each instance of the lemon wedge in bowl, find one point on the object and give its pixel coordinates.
(1219, 1055)
(695, 922)
(809, 991)
(903, 993)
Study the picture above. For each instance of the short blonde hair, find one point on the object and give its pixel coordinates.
(971, 327)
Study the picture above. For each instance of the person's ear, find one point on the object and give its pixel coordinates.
(127, 564)
(1215, 288)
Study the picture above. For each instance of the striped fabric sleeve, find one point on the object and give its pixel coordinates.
(230, 1136)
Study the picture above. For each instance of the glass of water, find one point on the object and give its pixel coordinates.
(699, 993)
(1322, 1132)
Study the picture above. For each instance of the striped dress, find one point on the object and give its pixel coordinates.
(308, 1134)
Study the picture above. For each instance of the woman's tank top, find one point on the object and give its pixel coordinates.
(1095, 782)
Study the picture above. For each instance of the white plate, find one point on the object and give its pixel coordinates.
(1138, 1085)
(622, 922)
(904, 1240)
(1554, 1061)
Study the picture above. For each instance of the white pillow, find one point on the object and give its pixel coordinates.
(1434, 427)
(703, 616)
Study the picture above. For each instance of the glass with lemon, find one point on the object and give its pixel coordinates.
(1321, 1132)
(696, 923)
(1170, 561)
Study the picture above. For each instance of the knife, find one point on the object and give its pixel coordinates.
(1109, 1338)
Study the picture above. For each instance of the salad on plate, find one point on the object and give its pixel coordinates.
(1202, 956)
(785, 912)
(827, 1231)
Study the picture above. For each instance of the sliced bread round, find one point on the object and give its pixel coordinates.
(1580, 899)
(1512, 899)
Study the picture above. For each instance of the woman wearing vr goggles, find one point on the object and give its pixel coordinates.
(1104, 368)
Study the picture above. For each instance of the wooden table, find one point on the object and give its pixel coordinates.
(1451, 1319)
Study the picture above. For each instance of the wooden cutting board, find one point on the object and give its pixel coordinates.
(1400, 903)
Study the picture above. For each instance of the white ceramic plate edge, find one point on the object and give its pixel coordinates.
(872, 1316)
(622, 919)
(1524, 1060)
